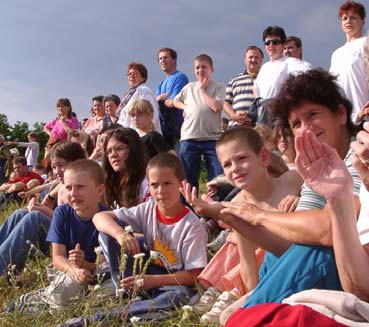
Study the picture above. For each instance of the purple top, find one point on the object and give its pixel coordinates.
(57, 129)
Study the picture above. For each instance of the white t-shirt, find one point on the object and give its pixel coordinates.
(32, 152)
(179, 241)
(363, 221)
(273, 73)
(347, 63)
(200, 122)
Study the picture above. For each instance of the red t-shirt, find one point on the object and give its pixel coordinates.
(30, 175)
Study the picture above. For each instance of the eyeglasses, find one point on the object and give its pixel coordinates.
(274, 42)
(117, 149)
(132, 73)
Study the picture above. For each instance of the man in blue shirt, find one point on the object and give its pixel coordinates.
(171, 119)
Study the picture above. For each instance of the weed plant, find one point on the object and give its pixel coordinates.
(34, 276)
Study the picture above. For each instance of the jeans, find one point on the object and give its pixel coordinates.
(190, 153)
(300, 268)
(18, 232)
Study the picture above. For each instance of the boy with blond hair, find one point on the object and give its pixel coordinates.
(202, 103)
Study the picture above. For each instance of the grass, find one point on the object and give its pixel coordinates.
(33, 277)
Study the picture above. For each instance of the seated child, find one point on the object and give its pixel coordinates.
(245, 161)
(73, 237)
(170, 229)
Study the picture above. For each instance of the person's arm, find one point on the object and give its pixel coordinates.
(183, 278)
(208, 208)
(178, 104)
(324, 171)
(16, 187)
(4, 187)
(47, 130)
(214, 104)
(352, 258)
(61, 263)
(105, 222)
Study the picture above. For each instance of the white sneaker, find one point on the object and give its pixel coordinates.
(207, 300)
(224, 300)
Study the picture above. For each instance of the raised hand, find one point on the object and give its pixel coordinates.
(321, 167)
(360, 160)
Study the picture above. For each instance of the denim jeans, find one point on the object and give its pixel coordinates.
(22, 226)
(190, 153)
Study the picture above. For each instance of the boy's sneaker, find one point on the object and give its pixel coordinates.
(224, 300)
(219, 241)
(207, 300)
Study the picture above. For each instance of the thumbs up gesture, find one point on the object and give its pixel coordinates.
(76, 256)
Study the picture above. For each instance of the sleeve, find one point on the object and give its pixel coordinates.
(57, 228)
(229, 92)
(178, 85)
(194, 248)
(50, 125)
(132, 217)
(181, 95)
(220, 93)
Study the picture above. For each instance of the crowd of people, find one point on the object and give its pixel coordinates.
(286, 150)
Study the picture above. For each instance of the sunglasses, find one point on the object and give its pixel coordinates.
(274, 42)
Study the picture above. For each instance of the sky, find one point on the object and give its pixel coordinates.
(79, 49)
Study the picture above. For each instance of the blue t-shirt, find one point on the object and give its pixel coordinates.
(68, 228)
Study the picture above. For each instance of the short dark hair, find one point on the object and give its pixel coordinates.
(167, 160)
(20, 160)
(275, 31)
(354, 6)
(99, 98)
(316, 86)
(172, 53)
(295, 39)
(242, 134)
(140, 68)
(112, 97)
(254, 47)
(91, 166)
(205, 57)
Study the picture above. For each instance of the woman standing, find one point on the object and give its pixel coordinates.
(137, 76)
(59, 127)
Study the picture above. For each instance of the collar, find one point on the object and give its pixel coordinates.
(170, 220)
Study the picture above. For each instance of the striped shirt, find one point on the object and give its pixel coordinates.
(239, 92)
(311, 200)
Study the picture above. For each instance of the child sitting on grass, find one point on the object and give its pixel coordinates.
(73, 237)
(170, 229)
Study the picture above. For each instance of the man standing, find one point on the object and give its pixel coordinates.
(239, 96)
(171, 118)
(273, 73)
(293, 47)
